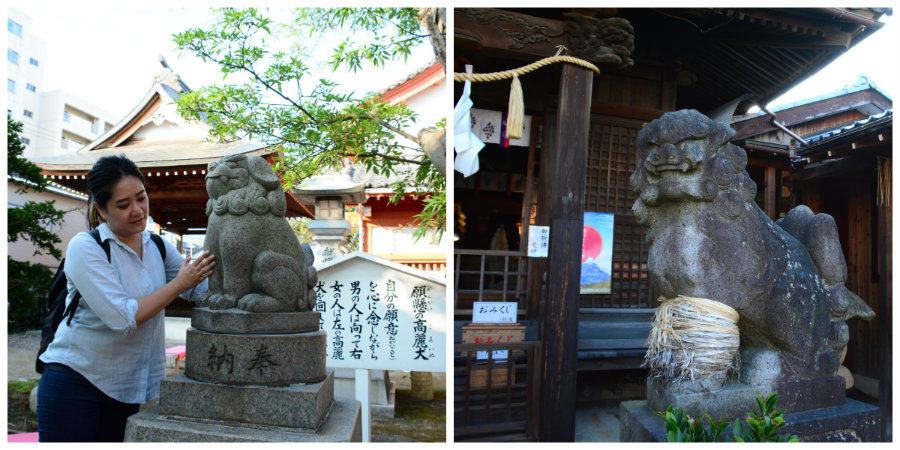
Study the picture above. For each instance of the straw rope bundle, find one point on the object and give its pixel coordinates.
(692, 338)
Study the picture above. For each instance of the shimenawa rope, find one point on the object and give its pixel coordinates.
(516, 115)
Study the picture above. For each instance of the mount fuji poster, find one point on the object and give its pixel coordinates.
(596, 253)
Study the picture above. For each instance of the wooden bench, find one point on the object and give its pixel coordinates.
(613, 338)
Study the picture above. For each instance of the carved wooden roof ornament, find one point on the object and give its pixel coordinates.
(522, 33)
(608, 40)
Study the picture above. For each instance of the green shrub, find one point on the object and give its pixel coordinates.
(681, 427)
(759, 427)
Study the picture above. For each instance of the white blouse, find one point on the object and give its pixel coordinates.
(103, 342)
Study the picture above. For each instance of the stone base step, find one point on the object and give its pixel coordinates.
(854, 421)
(296, 406)
(342, 424)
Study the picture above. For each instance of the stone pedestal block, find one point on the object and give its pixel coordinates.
(262, 359)
(236, 321)
(342, 424)
(296, 406)
(736, 398)
(852, 421)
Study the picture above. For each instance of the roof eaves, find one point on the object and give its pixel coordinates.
(819, 141)
(409, 77)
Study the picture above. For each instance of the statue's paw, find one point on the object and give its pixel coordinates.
(202, 300)
(310, 301)
(221, 301)
(260, 303)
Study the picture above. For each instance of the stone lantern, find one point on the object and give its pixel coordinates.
(329, 193)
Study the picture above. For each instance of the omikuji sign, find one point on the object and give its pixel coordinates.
(381, 315)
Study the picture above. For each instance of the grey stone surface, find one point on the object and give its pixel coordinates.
(260, 264)
(709, 239)
(237, 321)
(733, 400)
(852, 421)
(736, 398)
(263, 359)
(639, 423)
(296, 406)
(342, 424)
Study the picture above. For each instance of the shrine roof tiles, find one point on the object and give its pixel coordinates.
(158, 155)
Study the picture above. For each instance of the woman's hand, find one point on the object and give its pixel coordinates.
(192, 273)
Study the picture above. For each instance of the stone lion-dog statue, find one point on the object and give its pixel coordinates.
(260, 264)
(709, 239)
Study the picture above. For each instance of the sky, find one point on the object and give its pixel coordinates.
(109, 55)
(872, 58)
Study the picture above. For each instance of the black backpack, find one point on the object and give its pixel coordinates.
(56, 301)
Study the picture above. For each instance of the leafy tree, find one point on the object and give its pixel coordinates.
(316, 128)
(28, 283)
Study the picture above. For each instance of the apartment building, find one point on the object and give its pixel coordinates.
(53, 122)
(67, 123)
(25, 58)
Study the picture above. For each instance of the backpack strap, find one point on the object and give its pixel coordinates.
(159, 245)
(95, 233)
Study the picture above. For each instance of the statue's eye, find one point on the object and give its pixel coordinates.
(212, 166)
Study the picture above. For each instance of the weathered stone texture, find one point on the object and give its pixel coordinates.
(236, 321)
(263, 359)
(343, 424)
(260, 264)
(709, 239)
(297, 406)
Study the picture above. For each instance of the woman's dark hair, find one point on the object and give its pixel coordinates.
(103, 177)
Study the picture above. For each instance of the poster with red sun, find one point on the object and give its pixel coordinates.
(596, 253)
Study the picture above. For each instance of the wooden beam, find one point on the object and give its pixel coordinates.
(566, 166)
(518, 34)
(627, 111)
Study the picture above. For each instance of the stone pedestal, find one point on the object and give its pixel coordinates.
(250, 377)
(853, 421)
(816, 410)
(736, 398)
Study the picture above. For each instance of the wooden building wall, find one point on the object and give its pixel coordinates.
(622, 104)
(851, 201)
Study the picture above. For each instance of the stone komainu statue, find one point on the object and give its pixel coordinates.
(709, 239)
(260, 264)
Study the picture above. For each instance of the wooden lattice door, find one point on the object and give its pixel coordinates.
(611, 161)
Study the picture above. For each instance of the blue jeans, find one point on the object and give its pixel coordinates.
(71, 409)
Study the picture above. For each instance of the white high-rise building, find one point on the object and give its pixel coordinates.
(25, 75)
(53, 122)
(67, 123)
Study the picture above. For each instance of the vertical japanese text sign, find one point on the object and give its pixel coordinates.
(381, 315)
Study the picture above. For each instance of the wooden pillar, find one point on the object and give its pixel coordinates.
(770, 193)
(884, 316)
(565, 167)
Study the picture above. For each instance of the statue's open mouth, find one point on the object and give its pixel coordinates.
(684, 166)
